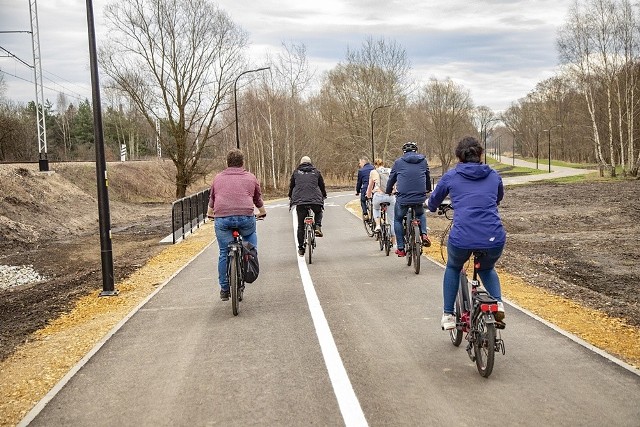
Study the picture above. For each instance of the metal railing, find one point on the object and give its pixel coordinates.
(188, 213)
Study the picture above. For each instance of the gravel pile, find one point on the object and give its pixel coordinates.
(16, 275)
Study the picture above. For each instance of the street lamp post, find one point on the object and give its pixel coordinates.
(373, 151)
(549, 134)
(486, 124)
(235, 100)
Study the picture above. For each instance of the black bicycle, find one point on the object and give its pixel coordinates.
(369, 223)
(384, 238)
(412, 238)
(235, 269)
(309, 235)
(475, 311)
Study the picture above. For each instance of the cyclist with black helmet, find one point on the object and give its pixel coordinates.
(410, 175)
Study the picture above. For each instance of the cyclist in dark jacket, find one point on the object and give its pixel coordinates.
(475, 191)
(363, 183)
(410, 175)
(306, 191)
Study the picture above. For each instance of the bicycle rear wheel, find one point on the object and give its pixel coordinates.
(370, 229)
(309, 241)
(484, 344)
(417, 248)
(387, 238)
(234, 281)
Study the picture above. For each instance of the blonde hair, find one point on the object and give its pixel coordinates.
(378, 162)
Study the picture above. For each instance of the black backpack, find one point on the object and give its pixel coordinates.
(250, 263)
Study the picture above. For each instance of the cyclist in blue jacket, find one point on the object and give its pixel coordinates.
(475, 191)
(410, 175)
(363, 183)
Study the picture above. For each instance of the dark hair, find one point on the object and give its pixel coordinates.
(235, 158)
(469, 150)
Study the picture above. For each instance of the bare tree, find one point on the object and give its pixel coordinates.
(372, 76)
(177, 61)
(448, 110)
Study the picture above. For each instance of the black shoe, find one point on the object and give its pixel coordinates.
(319, 231)
(224, 295)
(301, 251)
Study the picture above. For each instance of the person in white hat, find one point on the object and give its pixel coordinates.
(307, 191)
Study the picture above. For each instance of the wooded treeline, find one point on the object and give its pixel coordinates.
(171, 70)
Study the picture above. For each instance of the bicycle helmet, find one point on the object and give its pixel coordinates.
(409, 146)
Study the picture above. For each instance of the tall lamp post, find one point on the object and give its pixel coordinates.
(549, 134)
(104, 214)
(235, 100)
(486, 124)
(373, 151)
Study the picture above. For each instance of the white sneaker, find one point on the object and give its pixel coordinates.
(448, 322)
(500, 313)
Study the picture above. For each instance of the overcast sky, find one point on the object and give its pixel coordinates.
(498, 49)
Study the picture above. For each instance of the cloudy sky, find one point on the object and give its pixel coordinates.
(498, 49)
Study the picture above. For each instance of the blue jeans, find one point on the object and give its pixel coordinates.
(224, 226)
(363, 202)
(400, 213)
(456, 257)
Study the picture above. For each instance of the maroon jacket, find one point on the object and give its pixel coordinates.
(234, 191)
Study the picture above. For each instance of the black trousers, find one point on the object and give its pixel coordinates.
(302, 210)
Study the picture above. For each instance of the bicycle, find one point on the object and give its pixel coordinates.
(475, 311)
(235, 270)
(309, 235)
(384, 239)
(369, 223)
(412, 239)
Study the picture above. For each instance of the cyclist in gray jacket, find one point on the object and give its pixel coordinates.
(307, 191)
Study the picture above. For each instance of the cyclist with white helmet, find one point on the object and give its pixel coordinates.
(410, 175)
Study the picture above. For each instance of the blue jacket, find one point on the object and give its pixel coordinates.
(363, 178)
(411, 172)
(475, 191)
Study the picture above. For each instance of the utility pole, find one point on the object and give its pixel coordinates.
(43, 161)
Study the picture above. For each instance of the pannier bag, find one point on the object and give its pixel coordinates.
(250, 262)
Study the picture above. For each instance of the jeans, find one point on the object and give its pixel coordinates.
(363, 202)
(400, 213)
(380, 198)
(224, 226)
(456, 258)
(302, 210)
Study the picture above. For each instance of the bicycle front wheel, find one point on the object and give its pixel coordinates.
(309, 239)
(457, 333)
(234, 282)
(484, 344)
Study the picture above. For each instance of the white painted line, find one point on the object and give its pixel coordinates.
(347, 400)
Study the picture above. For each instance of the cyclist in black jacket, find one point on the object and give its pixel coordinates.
(306, 191)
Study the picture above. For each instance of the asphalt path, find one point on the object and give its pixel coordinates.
(353, 339)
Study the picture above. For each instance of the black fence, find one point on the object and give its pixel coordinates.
(188, 213)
